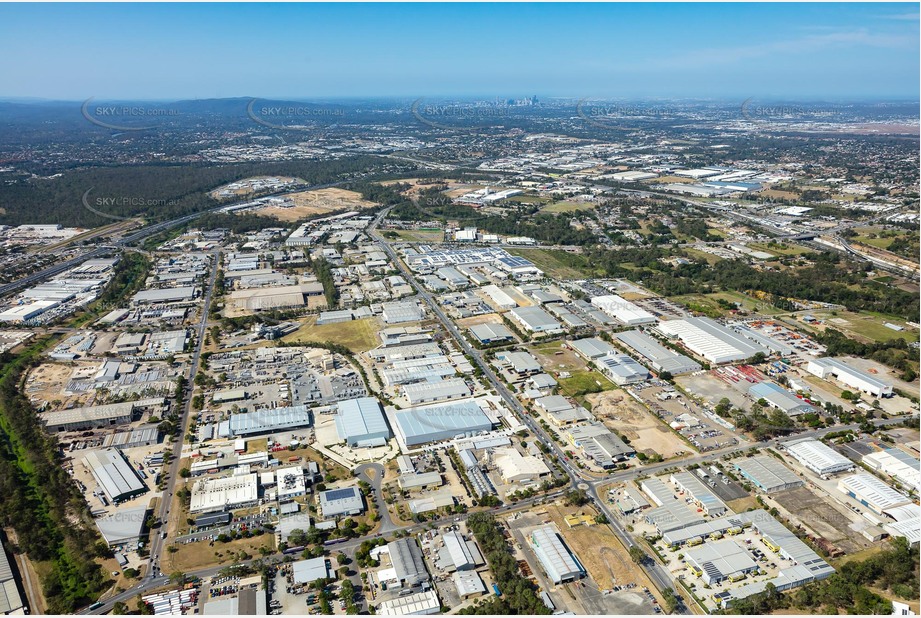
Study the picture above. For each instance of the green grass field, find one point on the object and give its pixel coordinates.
(556, 263)
(866, 325)
(582, 382)
(420, 235)
(357, 335)
(778, 248)
(709, 258)
(708, 303)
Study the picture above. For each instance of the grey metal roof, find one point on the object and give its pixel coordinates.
(407, 560)
(340, 501)
(114, 474)
(490, 332)
(556, 559)
(592, 347)
(441, 421)
(768, 473)
(780, 398)
(658, 356)
(361, 418)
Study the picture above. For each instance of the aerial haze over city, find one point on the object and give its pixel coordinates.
(505, 309)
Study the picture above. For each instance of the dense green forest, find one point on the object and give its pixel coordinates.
(432, 204)
(894, 571)
(829, 278)
(40, 500)
(157, 191)
(518, 594)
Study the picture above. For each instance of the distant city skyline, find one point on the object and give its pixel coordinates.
(345, 51)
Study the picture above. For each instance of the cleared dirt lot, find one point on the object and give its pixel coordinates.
(316, 202)
(710, 388)
(46, 383)
(620, 412)
(821, 518)
(604, 558)
(555, 357)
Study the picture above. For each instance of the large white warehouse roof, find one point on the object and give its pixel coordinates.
(712, 341)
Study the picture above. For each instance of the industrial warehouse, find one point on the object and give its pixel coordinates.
(360, 422)
(93, 417)
(114, 475)
(780, 398)
(861, 380)
(621, 369)
(768, 474)
(535, 320)
(660, 358)
(712, 341)
(623, 311)
(224, 494)
(818, 457)
(442, 421)
(558, 562)
(265, 421)
(346, 501)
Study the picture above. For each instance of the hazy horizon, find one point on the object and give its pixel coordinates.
(171, 52)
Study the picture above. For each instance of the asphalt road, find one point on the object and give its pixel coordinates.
(656, 572)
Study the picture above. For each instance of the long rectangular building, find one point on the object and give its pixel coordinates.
(621, 369)
(224, 494)
(712, 341)
(114, 474)
(768, 474)
(430, 392)
(659, 358)
(872, 493)
(10, 600)
(623, 310)
(855, 378)
(704, 498)
(442, 421)
(361, 422)
(818, 457)
(898, 464)
(558, 562)
(265, 421)
(535, 320)
(94, 417)
(780, 398)
(807, 567)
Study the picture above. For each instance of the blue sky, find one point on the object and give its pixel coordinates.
(179, 51)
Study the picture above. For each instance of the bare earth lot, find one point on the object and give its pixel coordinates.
(820, 517)
(316, 202)
(622, 413)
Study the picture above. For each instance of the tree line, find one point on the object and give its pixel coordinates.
(519, 596)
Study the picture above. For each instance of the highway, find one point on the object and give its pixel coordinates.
(157, 542)
(656, 573)
(144, 232)
(154, 579)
